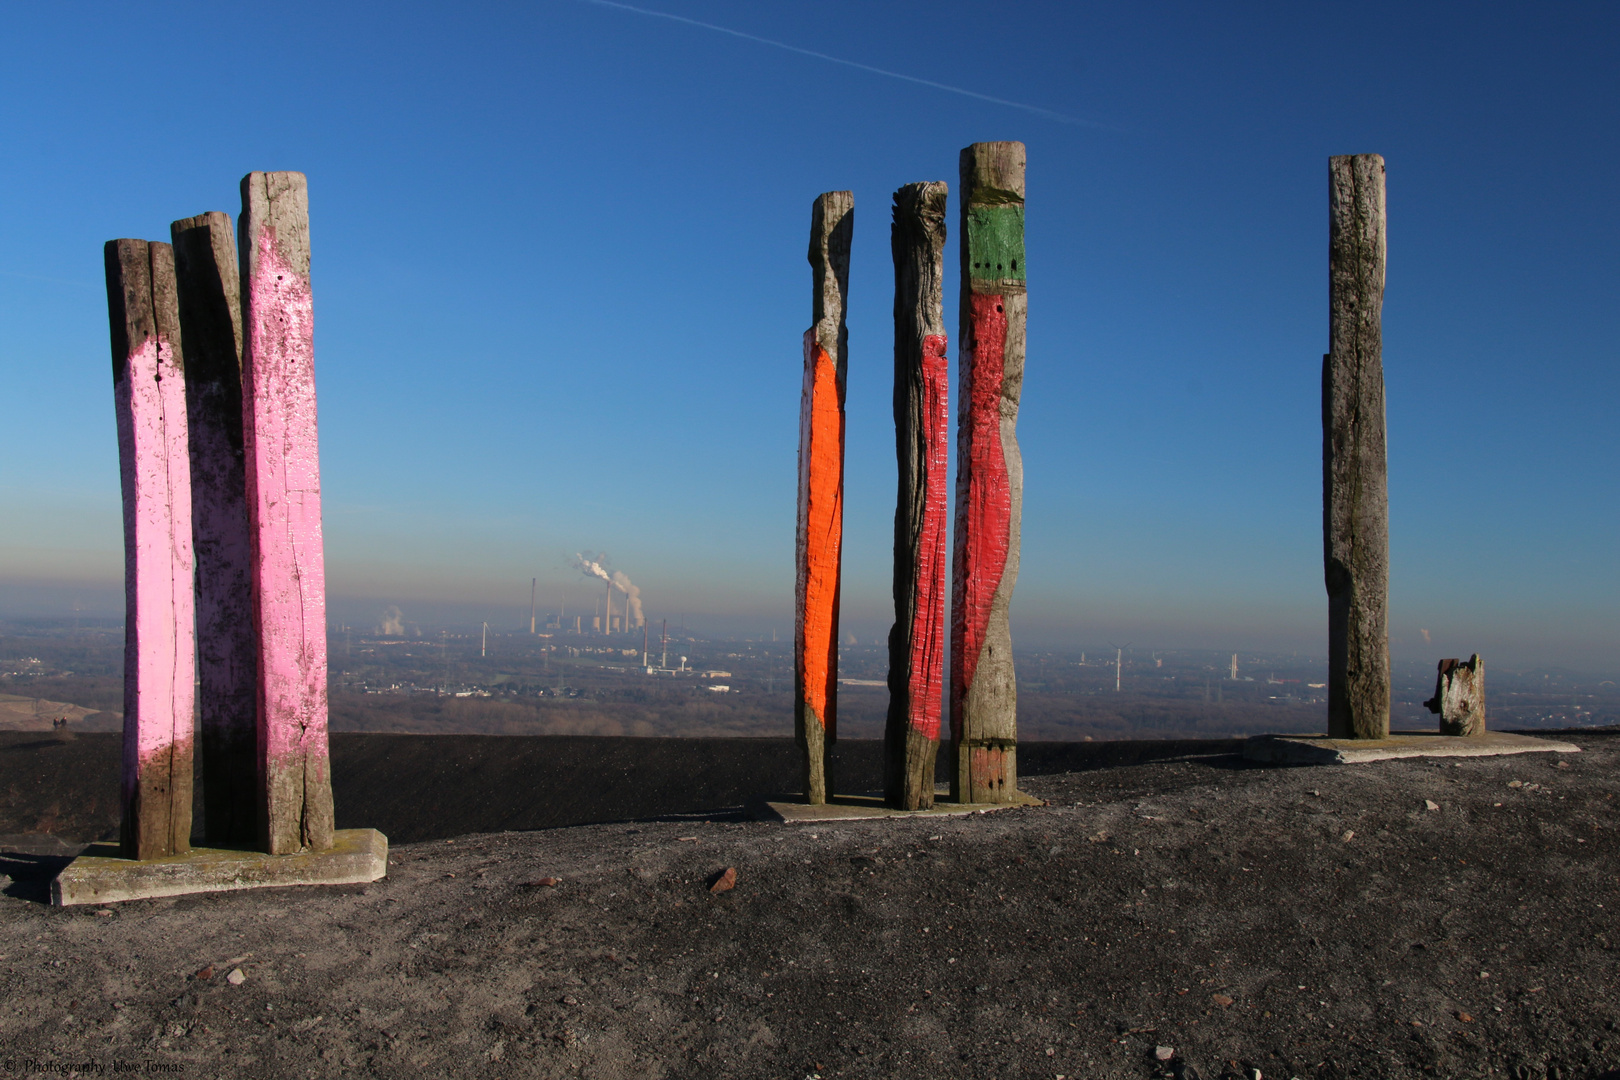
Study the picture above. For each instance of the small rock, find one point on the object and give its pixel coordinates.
(1349, 835)
(105, 913)
(693, 839)
(1220, 999)
(569, 999)
(545, 883)
(1253, 1074)
(205, 973)
(1163, 1053)
(1431, 804)
(1515, 783)
(726, 879)
(1465, 1018)
(236, 978)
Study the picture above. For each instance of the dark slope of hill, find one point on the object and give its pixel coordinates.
(428, 787)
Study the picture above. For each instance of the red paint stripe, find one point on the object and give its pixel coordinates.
(984, 502)
(928, 619)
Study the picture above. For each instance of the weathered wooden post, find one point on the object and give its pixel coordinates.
(284, 513)
(921, 424)
(1355, 498)
(1459, 697)
(989, 473)
(149, 395)
(211, 321)
(821, 493)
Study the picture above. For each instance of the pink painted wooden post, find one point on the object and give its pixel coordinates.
(149, 395)
(211, 321)
(284, 512)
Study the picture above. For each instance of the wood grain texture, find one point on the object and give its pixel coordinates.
(1355, 497)
(159, 668)
(921, 430)
(819, 546)
(990, 474)
(207, 278)
(1459, 697)
(282, 468)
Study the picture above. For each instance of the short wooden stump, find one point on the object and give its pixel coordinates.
(1321, 750)
(102, 876)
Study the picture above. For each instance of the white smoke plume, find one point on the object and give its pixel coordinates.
(1425, 634)
(590, 567)
(632, 595)
(393, 623)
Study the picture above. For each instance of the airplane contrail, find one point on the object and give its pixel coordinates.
(1036, 109)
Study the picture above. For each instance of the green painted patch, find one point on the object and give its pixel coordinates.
(996, 242)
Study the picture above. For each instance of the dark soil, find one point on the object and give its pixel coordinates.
(1312, 922)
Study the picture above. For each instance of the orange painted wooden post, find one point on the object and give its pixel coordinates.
(150, 400)
(821, 494)
(211, 320)
(921, 431)
(989, 474)
(282, 467)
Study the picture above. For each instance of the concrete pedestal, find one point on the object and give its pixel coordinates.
(102, 876)
(790, 810)
(1321, 750)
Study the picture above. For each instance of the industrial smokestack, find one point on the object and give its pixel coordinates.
(607, 623)
(533, 582)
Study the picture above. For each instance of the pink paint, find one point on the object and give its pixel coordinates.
(159, 656)
(928, 621)
(984, 500)
(284, 507)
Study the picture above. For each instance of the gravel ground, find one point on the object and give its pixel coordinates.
(1403, 919)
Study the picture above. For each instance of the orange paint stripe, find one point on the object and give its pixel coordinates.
(822, 498)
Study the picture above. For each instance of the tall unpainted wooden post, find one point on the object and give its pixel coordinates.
(159, 665)
(921, 430)
(211, 320)
(1355, 494)
(821, 493)
(989, 473)
(284, 513)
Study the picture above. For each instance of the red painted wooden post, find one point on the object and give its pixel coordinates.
(989, 474)
(921, 427)
(149, 395)
(821, 494)
(211, 321)
(284, 513)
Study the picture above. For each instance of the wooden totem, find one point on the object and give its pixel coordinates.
(282, 471)
(1355, 494)
(989, 473)
(211, 320)
(149, 394)
(921, 428)
(821, 493)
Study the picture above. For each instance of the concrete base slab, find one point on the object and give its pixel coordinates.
(793, 810)
(103, 876)
(1321, 750)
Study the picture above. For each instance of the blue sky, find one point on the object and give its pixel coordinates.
(560, 285)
